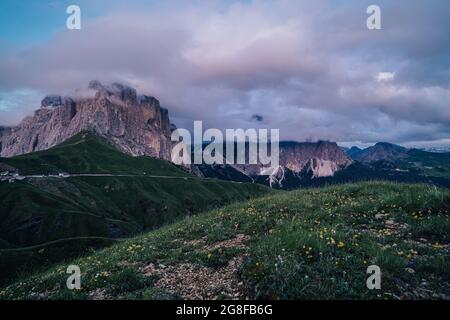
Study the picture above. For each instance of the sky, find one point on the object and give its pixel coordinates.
(311, 69)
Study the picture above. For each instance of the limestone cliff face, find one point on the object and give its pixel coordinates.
(322, 158)
(298, 161)
(137, 125)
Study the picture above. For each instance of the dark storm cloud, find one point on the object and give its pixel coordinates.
(257, 117)
(311, 69)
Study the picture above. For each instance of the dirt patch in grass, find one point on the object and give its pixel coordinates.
(99, 294)
(420, 292)
(195, 282)
(195, 242)
(237, 243)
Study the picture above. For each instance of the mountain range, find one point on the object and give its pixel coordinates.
(323, 163)
(139, 126)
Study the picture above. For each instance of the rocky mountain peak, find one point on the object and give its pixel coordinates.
(115, 91)
(95, 85)
(52, 101)
(388, 145)
(322, 159)
(318, 155)
(353, 152)
(149, 100)
(382, 151)
(123, 92)
(136, 125)
(354, 149)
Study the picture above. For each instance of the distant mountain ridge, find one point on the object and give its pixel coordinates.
(436, 149)
(323, 158)
(353, 152)
(324, 163)
(297, 160)
(380, 151)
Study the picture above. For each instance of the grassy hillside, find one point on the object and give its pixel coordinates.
(88, 153)
(57, 217)
(304, 244)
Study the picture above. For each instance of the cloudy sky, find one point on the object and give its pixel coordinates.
(310, 68)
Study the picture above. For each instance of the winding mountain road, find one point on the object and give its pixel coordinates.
(67, 175)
